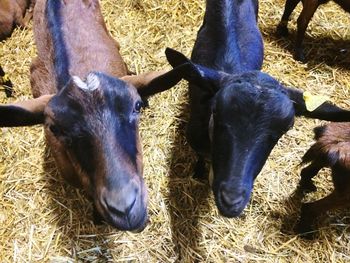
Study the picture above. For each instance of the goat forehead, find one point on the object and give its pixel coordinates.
(250, 115)
(94, 142)
(250, 99)
(84, 103)
(109, 86)
(113, 84)
(107, 117)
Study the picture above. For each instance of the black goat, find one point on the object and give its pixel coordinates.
(237, 112)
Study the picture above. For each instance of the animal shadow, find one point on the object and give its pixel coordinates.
(73, 218)
(291, 219)
(332, 52)
(338, 221)
(293, 204)
(188, 198)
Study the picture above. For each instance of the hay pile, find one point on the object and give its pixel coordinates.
(43, 219)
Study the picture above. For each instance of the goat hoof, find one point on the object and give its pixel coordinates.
(306, 221)
(282, 31)
(305, 230)
(299, 56)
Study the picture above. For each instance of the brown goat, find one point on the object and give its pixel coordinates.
(90, 118)
(309, 8)
(332, 149)
(14, 13)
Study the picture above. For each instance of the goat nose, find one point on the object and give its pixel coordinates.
(231, 198)
(120, 207)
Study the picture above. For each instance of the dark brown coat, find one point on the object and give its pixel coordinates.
(332, 149)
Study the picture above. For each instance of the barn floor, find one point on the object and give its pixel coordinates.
(42, 219)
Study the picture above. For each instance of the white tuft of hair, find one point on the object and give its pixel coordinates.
(80, 84)
(211, 127)
(92, 81)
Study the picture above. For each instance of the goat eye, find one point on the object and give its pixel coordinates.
(138, 106)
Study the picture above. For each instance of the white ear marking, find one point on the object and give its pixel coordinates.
(211, 175)
(92, 82)
(81, 84)
(211, 127)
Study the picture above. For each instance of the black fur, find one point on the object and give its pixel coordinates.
(61, 62)
(243, 110)
(13, 116)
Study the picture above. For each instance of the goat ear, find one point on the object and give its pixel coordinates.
(24, 113)
(327, 111)
(175, 58)
(183, 68)
(141, 81)
(205, 78)
(152, 83)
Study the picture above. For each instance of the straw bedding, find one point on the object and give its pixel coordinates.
(43, 219)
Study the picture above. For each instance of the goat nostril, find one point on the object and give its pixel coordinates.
(127, 211)
(230, 200)
(120, 210)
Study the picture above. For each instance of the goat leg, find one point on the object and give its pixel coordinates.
(19, 18)
(28, 16)
(306, 14)
(282, 29)
(307, 174)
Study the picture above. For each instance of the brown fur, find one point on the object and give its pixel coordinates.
(332, 149)
(90, 47)
(84, 51)
(36, 105)
(85, 54)
(334, 140)
(13, 13)
(143, 79)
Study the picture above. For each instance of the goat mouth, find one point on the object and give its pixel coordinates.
(122, 222)
(227, 212)
(228, 209)
(142, 225)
